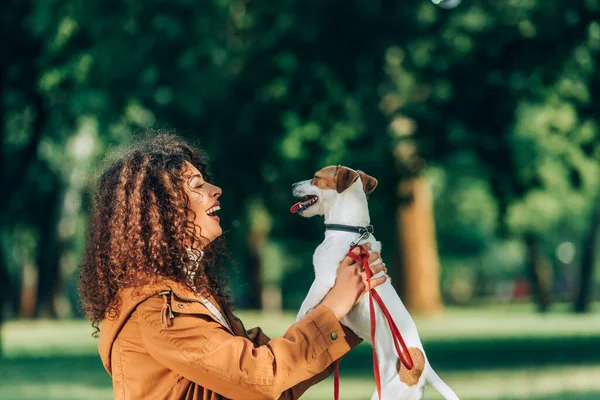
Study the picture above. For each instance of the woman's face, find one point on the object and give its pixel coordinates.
(203, 201)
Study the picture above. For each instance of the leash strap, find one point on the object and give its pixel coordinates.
(404, 355)
(336, 380)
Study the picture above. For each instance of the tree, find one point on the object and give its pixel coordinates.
(498, 99)
(23, 114)
(586, 278)
(488, 81)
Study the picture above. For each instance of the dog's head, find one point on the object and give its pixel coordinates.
(329, 185)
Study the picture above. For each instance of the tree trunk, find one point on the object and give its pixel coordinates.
(29, 288)
(5, 291)
(48, 260)
(417, 250)
(540, 272)
(588, 259)
(255, 242)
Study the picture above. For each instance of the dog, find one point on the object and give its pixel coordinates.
(340, 195)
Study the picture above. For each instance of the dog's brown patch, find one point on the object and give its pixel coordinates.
(369, 183)
(338, 178)
(411, 377)
(325, 178)
(344, 178)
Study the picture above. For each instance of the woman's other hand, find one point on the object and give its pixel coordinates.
(351, 283)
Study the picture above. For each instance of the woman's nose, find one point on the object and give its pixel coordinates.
(217, 192)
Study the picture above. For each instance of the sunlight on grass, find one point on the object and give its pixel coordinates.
(494, 321)
(46, 391)
(40, 337)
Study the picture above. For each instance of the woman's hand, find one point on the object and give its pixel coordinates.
(351, 283)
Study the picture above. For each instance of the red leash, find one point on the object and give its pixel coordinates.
(404, 355)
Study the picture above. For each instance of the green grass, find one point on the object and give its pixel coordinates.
(487, 353)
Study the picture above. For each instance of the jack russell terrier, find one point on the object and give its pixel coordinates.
(340, 194)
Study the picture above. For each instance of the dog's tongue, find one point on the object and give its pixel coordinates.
(295, 207)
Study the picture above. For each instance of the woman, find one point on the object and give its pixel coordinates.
(150, 287)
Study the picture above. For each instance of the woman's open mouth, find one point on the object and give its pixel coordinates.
(308, 201)
(211, 212)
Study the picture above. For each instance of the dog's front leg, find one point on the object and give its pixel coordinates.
(315, 295)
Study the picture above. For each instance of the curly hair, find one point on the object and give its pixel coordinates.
(140, 225)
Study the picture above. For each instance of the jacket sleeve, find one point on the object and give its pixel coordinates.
(200, 349)
(259, 338)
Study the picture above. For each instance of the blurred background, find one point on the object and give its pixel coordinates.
(479, 118)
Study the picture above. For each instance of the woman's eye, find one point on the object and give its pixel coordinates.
(200, 186)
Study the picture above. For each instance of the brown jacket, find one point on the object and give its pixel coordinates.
(165, 344)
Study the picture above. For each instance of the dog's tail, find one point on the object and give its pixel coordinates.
(434, 380)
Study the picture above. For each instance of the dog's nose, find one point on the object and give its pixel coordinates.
(295, 184)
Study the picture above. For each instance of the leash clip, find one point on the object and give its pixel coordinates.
(364, 234)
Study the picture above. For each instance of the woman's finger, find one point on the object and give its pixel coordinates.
(378, 281)
(378, 268)
(374, 257)
(349, 260)
(358, 266)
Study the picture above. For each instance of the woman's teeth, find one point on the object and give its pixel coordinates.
(212, 210)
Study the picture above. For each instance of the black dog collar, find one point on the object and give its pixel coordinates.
(363, 231)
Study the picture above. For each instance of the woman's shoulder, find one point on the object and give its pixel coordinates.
(168, 299)
(150, 294)
(155, 288)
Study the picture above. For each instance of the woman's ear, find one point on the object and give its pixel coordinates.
(369, 183)
(344, 178)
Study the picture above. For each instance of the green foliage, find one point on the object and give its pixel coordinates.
(499, 98)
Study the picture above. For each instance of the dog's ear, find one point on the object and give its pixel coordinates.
(369, 183)
(344, 178)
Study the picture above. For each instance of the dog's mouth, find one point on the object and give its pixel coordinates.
(307, 201)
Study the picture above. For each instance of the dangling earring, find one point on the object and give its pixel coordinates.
(194, 255)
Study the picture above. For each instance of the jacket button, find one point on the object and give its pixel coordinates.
(180, 305)
(334, 336)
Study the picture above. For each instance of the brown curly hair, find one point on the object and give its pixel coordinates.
(140, 225)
